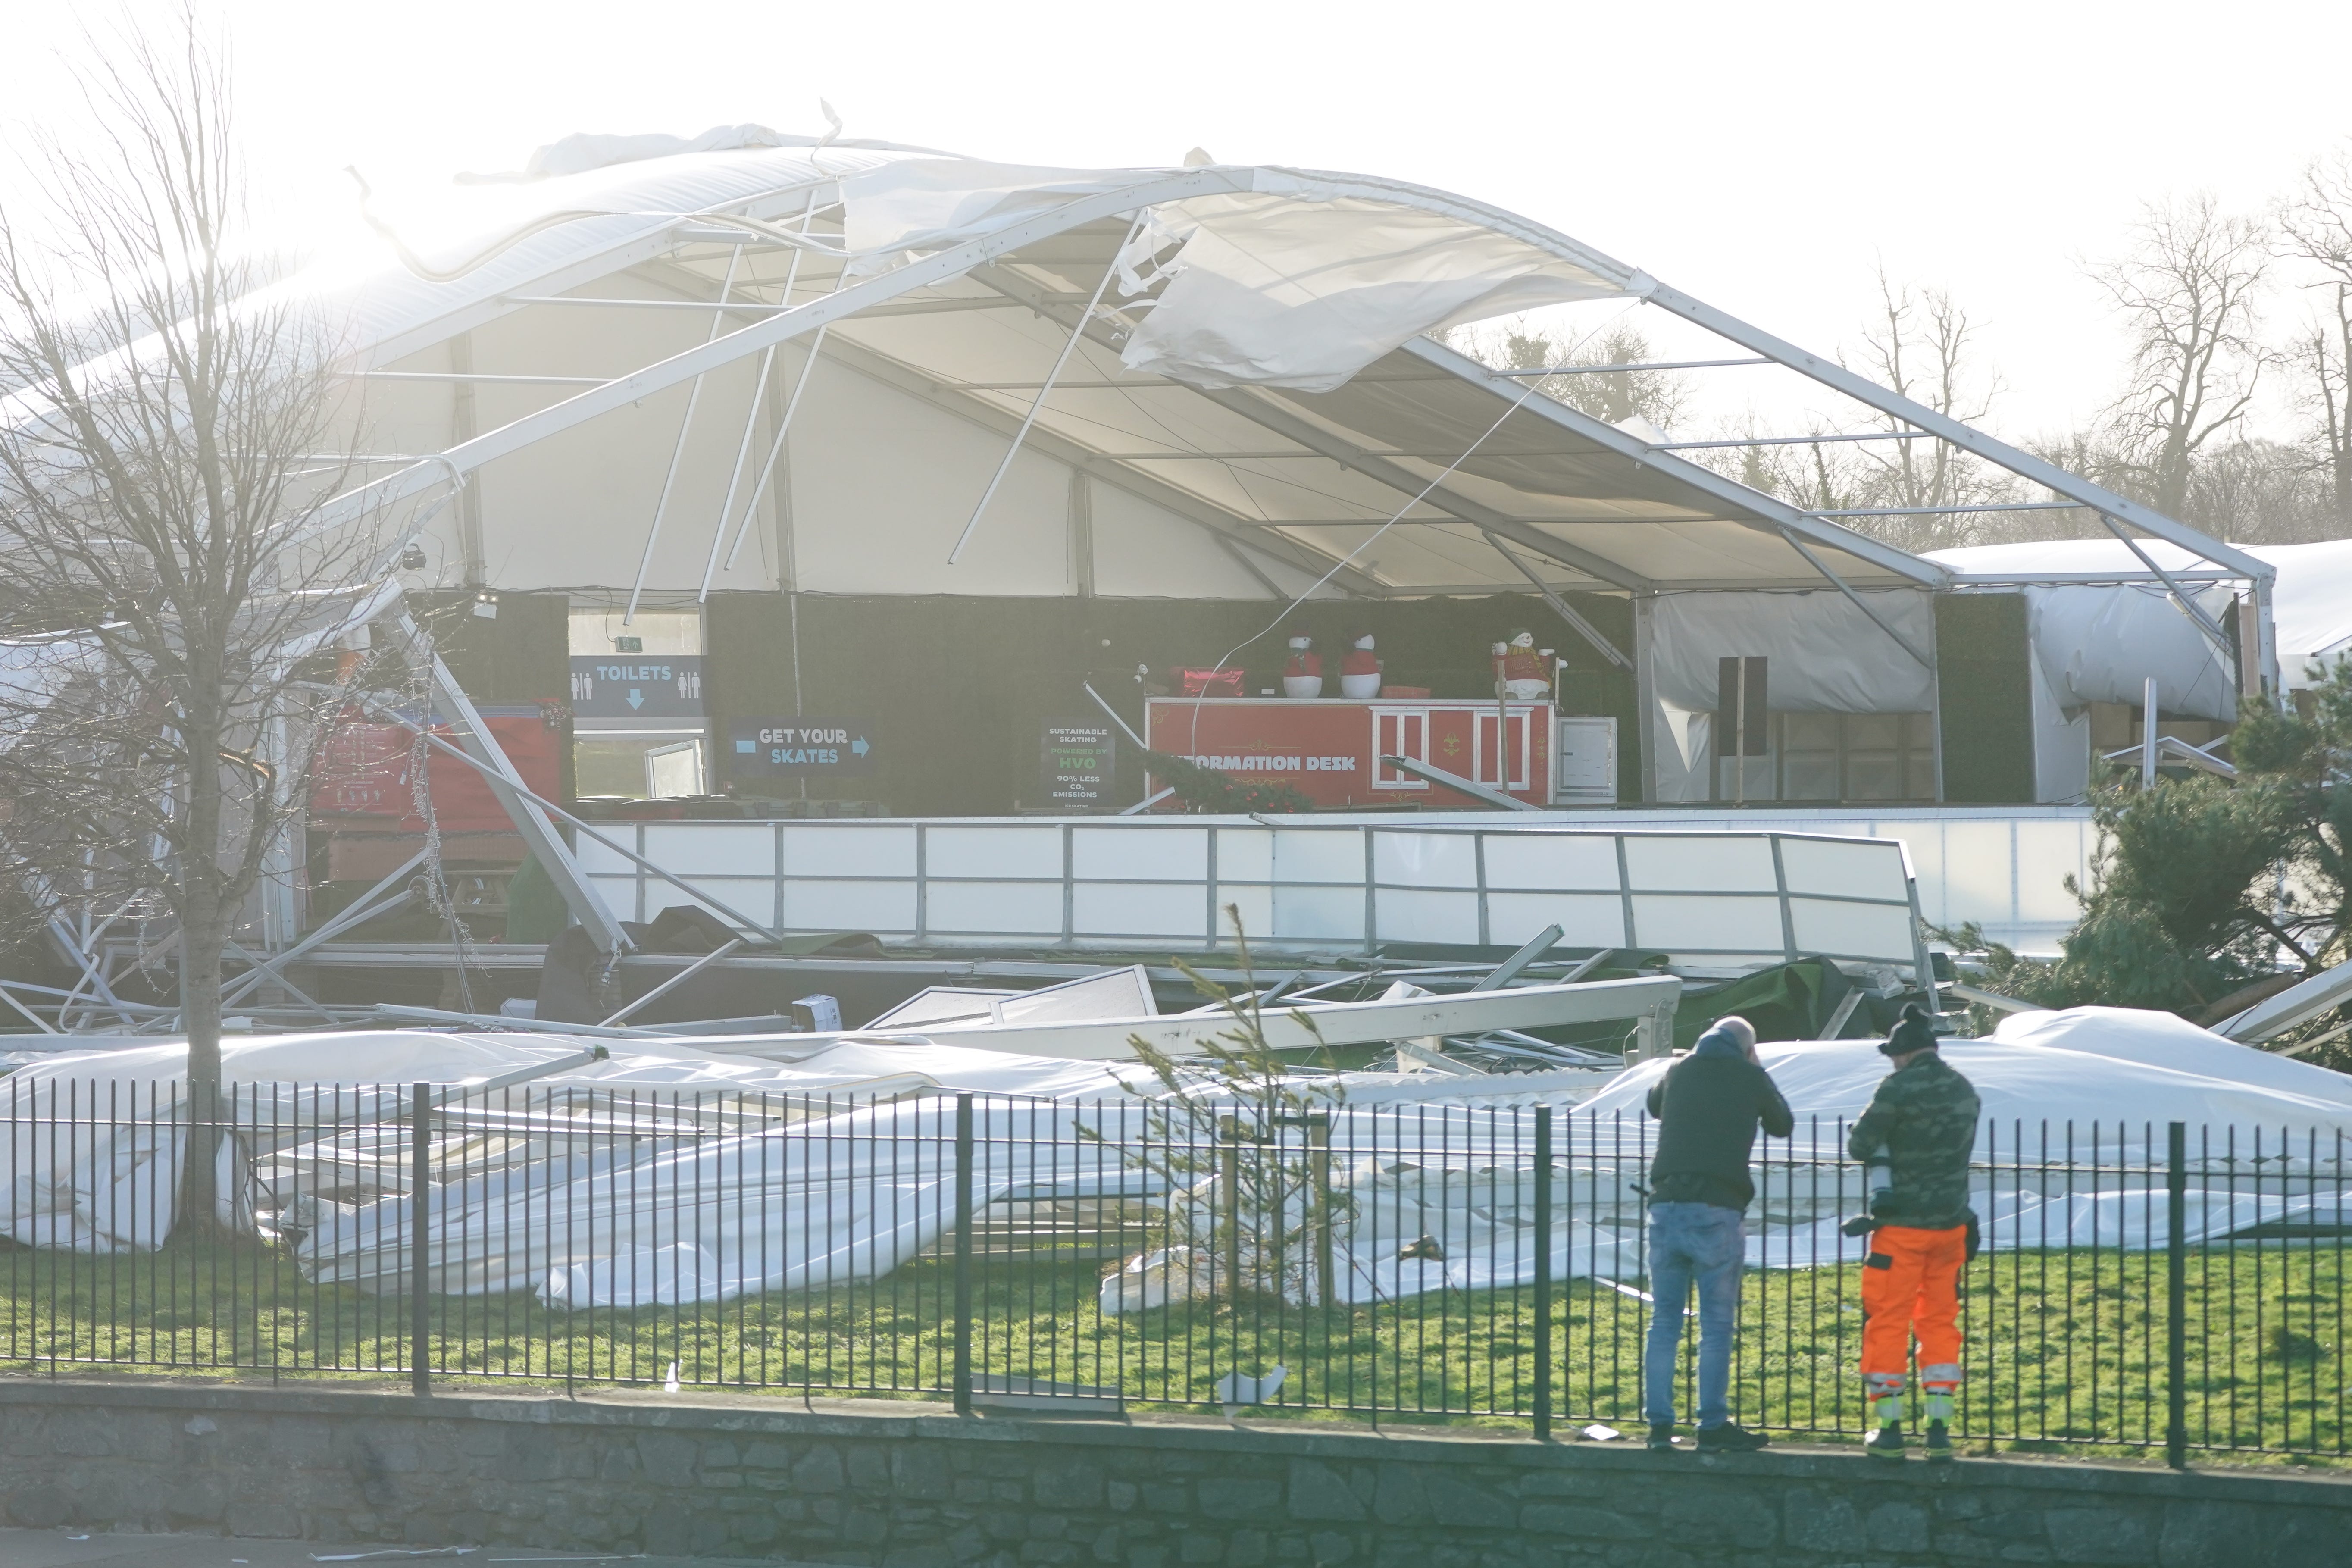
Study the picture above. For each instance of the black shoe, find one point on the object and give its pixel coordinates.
(1662, 1438)
(1938, 1443)
(1731, 1438)
(1887, 1443)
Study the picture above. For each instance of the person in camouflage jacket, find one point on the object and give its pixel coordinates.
(1921, 1127)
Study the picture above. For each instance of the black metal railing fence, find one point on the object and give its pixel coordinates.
(2142, 1287)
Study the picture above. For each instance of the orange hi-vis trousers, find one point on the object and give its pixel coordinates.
(1910, 1285)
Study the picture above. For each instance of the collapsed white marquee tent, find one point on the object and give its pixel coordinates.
(652, 367)
(633, 1197)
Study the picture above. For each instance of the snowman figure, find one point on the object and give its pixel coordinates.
(1521, 672)
(1360, 672)
(1302, 675)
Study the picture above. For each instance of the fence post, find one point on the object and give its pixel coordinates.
(1543, 1273)
(964, 1255)
(420, 1236)
(2176, 1290)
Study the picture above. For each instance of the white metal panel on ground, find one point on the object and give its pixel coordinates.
(1027, 910)
(1142, 909)
(1325, 916)
(996, 851)
(1821, 925)
(841, 849)
(1305, 855)
(1172, 854)
(1699, 863)
(727, 849)
(1582, 861)
(1425, 861)
(1245, 855)
(1826, 866)
(2003, 867)
(1727, 927)
(1418, 915)
(1585, 919)
(885, 909)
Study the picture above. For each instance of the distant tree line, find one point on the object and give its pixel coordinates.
(2220, 309)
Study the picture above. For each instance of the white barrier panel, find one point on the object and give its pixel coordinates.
(1706, 897)
(2004, 867)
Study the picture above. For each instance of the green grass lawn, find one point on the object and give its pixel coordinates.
(2066, 1351)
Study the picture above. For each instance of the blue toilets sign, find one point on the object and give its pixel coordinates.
(800, 748)
(637, 686)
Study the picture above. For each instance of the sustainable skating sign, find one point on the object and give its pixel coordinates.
(637, 686)
(1080, 763)
(800, 748)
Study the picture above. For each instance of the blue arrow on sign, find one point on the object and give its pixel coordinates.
(637, 699)
(859, 746)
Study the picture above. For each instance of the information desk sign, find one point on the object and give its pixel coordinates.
(798, 748)
(1336, 753)
(1079, 763)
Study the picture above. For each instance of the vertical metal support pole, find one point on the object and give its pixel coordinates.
(420, 1237)
(964, 1255)
(2148, 734)
(1543, 1273)
(1936, 697)
(2176, 1293)
(1229, 1173)
(1319, 1139)
(1646, 718)
(1738, 747)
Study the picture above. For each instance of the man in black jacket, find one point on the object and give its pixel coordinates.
(1708, 1105)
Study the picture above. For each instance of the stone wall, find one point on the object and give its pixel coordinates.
(906, 1486)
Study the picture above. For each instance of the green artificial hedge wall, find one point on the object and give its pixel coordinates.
(523, 654)
(1986, 697)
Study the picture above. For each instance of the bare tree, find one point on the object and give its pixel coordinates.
(170, 668)
(1921, 346)
(1618, 396)
(2315, 227)
(2189, 291)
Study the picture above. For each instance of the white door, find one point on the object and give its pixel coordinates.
(672, 771)
(1584, 763)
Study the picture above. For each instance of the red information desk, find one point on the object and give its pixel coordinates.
(1328, 748)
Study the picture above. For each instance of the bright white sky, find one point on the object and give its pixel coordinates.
(1766, 158)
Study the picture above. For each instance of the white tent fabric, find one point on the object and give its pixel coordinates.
(90, 1159)
(1827, 657)
(1303, 289)
(2098, 644)
(1291, 284)
(672, 1213)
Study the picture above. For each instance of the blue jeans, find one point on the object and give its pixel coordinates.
(1688, 1242)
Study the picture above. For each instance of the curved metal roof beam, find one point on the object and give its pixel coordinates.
(1944, 428)
(1766, 515)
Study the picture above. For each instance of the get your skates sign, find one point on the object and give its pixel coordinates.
(798, 748)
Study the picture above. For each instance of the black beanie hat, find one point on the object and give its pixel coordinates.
(1912, 1032)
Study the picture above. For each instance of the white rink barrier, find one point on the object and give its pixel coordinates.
(1706, 897)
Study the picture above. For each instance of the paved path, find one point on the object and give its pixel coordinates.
(72, 1547)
